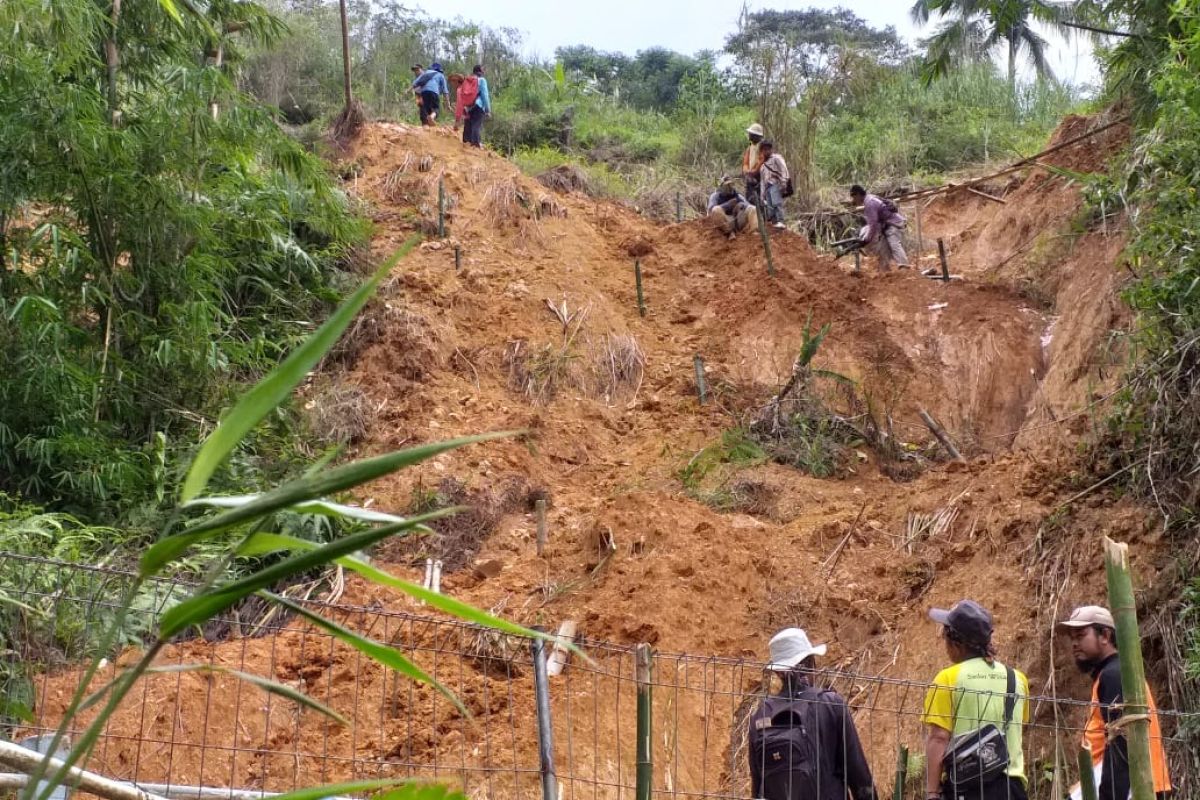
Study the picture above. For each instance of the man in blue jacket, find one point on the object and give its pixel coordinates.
(432, 86)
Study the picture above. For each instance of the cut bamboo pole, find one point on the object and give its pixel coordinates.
(1136, 716)
(1087, 775)
(545, 728)
(920, 242)
(701, 390)
(457, 258)
(766, 239)
(901, 772)
(945, 261)
(645, 765)
(939, 432)
(540, 507)
(441, 208)
(637, 276)
(27, 761)
(560, 655)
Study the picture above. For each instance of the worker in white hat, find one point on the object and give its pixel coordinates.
(1094, 646)
(752, 162)
(802, 741)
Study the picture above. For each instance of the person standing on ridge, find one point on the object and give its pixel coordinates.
(729, 210)
(982, 704)
(1094, 647)
(885, 228)
(432, 87)
(752, 163)
(417, 71)
(775, 181)
(473, 103)
(802, 741)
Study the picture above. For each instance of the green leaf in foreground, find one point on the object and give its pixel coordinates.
(357, 787)
(388, 656)
(203, 607)
(301, 490)
(279, 383)
(267, 685)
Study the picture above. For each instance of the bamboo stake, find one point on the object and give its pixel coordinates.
(27, 761)
(545, 728)
(441, 208)
(920, 242)
(698, 363)
(457, 258)
(901, 772)
(1087, 775)
(560, 655)
(540, 505)
(1136, 716)
(645, 765)
(945, 261)
(766, 240)
(637, 275)
(940, 433)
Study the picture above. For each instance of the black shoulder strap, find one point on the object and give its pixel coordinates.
(1010, 697)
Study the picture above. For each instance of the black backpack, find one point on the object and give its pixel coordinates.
(890, 205)
(782, 743)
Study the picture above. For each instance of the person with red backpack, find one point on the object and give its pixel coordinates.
(472, 104)
(802, 741)
(885, 227)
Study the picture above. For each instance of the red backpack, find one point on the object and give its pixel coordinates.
(468, 91)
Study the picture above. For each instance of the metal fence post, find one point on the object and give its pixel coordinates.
(541, 684)
(643, 674)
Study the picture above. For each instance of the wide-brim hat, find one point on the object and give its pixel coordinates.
(756, 130)
(790, 647)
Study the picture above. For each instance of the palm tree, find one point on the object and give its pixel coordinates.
(975, 28)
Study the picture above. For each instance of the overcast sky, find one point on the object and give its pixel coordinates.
(686, 25)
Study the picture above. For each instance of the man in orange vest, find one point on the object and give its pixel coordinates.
(1094, 646)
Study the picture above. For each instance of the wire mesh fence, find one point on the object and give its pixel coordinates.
(211, 729)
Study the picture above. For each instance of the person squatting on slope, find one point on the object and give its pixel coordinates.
(885, 228)
(472, 103)
(729, 211)
(802, 741)
(974, 712)
(432, 87)
(752, 162)
(1094, 647)
(775, 181)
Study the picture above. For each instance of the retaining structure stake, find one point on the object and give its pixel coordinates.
(857, 260)
(901, 772)
(541, 685)
(701, 390)
(766, 240)
(436, 584)
(1087, 775)
(637, 274)
(678, 207)
(457, 258)
(1133, 672)
(441, 208)
(643, 674)
(540, 505)
(944, 260)
(920, 246)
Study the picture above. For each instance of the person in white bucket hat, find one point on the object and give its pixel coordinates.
(752, 162)
(802, 741)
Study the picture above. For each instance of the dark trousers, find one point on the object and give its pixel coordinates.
(1002, 789)
(430, 103)
(473, 127)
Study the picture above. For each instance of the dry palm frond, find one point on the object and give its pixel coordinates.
(399, 187)
(620, 362)
(922, 527)
(425, 164)
(547, 206)
(339, 414)
(566, 178)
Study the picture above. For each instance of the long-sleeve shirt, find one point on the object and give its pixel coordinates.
(484, 100)
(774, 171)
(878, 215)
(435, 82)
(823, 718)
(729, 202)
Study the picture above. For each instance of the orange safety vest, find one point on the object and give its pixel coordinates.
(1095, 737)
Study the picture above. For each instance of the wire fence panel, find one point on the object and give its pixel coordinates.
(189, 728)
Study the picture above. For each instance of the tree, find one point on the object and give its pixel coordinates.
(974, 29)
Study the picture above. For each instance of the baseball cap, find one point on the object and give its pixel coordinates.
(966, 618)
(791, 646)
(1085, 616)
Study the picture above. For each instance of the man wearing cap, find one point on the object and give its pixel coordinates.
(752, 162)
(969, 695)
(802, 741)
(729, 210)
(1094, 647)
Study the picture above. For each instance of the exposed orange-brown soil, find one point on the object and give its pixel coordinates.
(1007, 358)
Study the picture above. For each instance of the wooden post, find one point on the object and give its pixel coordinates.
(901, 772)
(643, 674)
(766, 239)
(944, 260)
(441, 208)
(858, 260)
(1133, 672)
(920, 241)
(541, 685)
(637, 275)
(457, 258)
(540, 505)
(940, 434)
(1087, 775)
(701, 391)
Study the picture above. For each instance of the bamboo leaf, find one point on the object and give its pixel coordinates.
(173, 12)
(322, 507)
(279, 383)
(267, 685)
(202, 607)
(331, 790)
(388, 656)
(300, 490)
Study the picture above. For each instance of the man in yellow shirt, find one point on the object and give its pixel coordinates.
(968, 696)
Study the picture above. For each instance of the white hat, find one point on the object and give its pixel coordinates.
(756, 129)
(1085, 616)
(791, 646)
